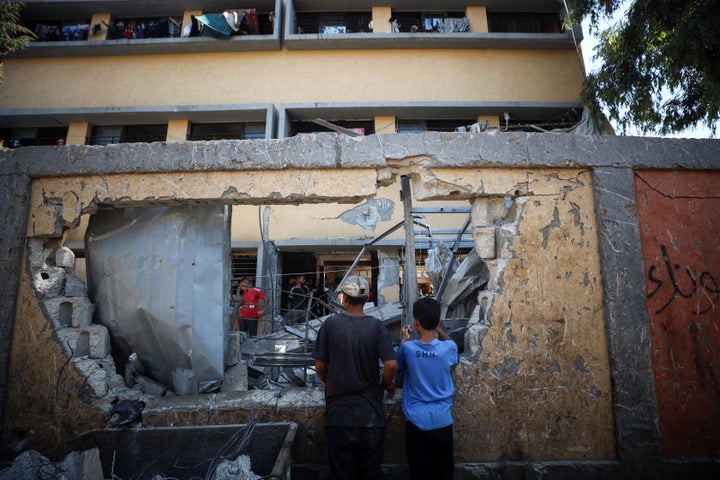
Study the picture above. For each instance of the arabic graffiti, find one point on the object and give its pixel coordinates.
(700, 287)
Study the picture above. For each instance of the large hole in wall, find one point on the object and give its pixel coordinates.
(279, 355)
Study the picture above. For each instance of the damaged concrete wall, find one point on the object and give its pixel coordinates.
(536, 381)
(558, 359)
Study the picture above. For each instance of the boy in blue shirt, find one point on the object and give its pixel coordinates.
(428, 393)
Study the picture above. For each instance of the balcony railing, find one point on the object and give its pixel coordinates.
(147, 34)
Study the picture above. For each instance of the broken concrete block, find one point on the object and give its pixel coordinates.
(65, 258)
(72, 344)
(31, 465)
(74, 287)
(115, 380)
(235, 470)
(149, 386)
(233, 354)
(484, 238)
(481, 213)
(70, 311)
(45, 222)
(487, 210)
(85, 465)
(48, 281)
(474, 339)
(98, 341)
(26, 466)
(505, 238)
(35, 254)
(95, 375)
(236, 378)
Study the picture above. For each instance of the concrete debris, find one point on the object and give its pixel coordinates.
(239, 469)
(31, 465)
(150, 387)
(236, 378)
(282, 359)
(126, 412)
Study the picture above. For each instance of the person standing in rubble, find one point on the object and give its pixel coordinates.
(253, 303)
(298, 301)
(426, 367)
(346, 353)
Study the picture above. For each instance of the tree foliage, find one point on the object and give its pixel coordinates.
(13, 35)
(660, 63)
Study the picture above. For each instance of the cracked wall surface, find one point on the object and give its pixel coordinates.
(537, 382)
(560, 318)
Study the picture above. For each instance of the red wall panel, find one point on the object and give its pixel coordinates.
(679, 215)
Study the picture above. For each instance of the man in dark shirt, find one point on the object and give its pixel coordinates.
(346, 354)
(298, 301)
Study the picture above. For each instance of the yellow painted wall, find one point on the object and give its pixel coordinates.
(325, 222)
(317, 76)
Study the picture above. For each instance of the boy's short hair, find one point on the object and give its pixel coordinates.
(426, 310)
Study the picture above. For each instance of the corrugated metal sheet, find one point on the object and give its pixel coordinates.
(159, 278)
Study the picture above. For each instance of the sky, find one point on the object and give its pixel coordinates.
(588, 49)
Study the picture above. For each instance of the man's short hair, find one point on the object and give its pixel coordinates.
(426, 310)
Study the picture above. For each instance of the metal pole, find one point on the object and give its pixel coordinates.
(409, 271)
(451, 263)
(358, 258)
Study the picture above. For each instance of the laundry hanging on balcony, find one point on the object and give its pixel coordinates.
(230, 22)
(215, 25)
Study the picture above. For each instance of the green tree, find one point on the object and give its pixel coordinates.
(13, 35)
(660, 63)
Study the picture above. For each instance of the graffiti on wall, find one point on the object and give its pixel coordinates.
(679, 218)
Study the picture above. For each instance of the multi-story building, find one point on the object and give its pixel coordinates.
(121, 71)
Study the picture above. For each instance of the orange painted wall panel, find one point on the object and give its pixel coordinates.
(680, 233)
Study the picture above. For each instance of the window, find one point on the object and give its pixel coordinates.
(242, 265)
(227, 131)
(107, 134)
(524, 22)
(432, 22)
(363, 127)
(411, 126)
(24, 137)
(332, 23)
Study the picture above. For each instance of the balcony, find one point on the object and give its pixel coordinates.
(424, 24)
(126, 12)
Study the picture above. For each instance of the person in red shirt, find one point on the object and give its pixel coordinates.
(253, 304)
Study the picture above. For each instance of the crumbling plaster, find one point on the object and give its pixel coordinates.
(535, 382)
